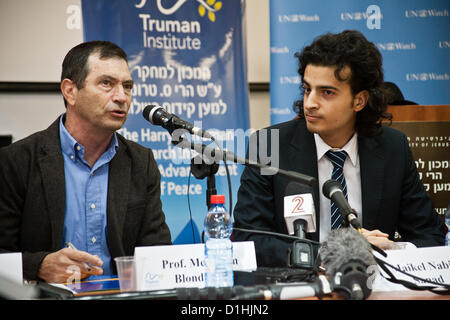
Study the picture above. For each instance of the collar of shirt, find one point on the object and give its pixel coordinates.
(351, 147)
(72, 148)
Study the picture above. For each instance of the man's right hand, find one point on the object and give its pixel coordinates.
(59, 266)
(378, 238)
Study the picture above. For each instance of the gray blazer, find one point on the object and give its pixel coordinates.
(32, 199)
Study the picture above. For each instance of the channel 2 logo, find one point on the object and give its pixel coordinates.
(297, 205)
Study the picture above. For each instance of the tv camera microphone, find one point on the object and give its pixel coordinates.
(332, 189)
(300, 218)
(160, 117)
(346, 256)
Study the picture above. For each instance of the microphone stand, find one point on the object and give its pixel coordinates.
(301, 248)
(200, 170)
(230, 156)
(301, 255)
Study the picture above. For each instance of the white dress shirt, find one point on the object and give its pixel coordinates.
(352, 178)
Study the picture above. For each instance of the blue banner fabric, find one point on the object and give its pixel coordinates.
(187, 57)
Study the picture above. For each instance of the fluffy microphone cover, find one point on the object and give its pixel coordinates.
(342, 246)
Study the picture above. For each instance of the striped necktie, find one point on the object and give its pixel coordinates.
(337, 158)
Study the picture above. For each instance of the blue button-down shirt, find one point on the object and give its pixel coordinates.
(86, 198)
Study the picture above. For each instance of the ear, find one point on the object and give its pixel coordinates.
(69, 91)
(360, 100)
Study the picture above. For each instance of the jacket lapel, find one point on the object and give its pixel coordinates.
(372, 176)
(118, 185)
(51, 164)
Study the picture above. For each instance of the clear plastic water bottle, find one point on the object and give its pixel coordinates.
(218, 246)
(447, 222)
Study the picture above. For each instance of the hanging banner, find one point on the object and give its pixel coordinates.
(188, 57)
(412, 37)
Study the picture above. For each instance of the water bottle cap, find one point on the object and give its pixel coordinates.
(217, 198)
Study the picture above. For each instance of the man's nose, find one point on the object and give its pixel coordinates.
(119, 94)
(310, 102)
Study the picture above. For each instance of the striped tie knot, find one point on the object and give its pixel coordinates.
(337, 158)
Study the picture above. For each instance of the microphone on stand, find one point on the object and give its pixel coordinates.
(230, 156)
(332, 189)
(300, 217)
(160, 117)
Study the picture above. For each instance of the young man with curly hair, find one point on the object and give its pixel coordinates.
(342, 109)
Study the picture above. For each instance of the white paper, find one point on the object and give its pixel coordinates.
(11, 266)
(431, 263)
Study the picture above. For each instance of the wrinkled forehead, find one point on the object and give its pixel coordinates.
(115, 67)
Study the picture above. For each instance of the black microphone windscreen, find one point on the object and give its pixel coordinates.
(294, 188)
(342, 246)
(329, 186)
(146, 112)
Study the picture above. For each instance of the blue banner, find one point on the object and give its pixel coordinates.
(412, 37)
(187, 57)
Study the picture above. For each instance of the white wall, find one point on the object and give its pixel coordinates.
(24, 114)
(258, 52)
(42, 26)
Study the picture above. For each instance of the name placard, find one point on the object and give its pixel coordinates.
(177, 266)
(431, 263)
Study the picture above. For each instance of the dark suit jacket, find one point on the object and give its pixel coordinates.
(393, 197)
(33, 200)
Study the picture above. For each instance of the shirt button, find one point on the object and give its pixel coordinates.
(78, 148)
(92, 206)
(72, 156)
(93, 239)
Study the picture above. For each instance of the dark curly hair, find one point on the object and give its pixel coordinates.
(350, 48)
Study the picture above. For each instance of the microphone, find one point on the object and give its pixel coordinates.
(160, 117)
(318, 288)
(346, 256)
(299, 212)
(332, 189)
(300, 217)
(229, 155)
